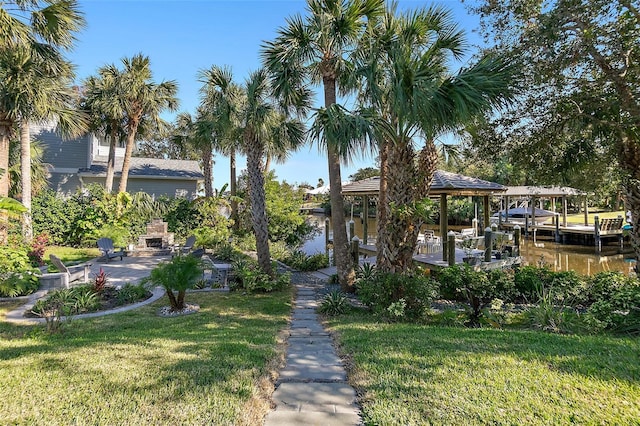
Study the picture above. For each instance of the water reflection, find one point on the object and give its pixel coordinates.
(558, 257)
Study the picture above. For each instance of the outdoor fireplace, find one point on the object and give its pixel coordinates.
(157, 240)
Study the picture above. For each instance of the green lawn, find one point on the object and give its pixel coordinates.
(411, 374)
(72, 255)
(138, 368)
(579, 218)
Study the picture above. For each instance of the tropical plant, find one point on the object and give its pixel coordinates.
(317, 47)
(101, 103)
(177, 275)
(220, 101)
(136, 101)
(402, 65)
(334, 303)
(31, 36)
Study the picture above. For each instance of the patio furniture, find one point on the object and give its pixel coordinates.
(188, 245)
(71, 273)
(108, 250)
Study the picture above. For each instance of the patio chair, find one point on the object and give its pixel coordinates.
(74, 273)
(188, 245)
(108, 251)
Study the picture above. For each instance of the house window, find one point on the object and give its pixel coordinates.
(103, 141)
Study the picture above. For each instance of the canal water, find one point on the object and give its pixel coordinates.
(558, 257)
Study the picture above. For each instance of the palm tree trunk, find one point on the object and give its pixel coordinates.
(267, 164)
(344, 262)
(5, 131)
(401, 230)
(25, 175)
(111, 161)
(233, 188)
(258, 204)
(382, 240)
(207, 168)
(126, 162)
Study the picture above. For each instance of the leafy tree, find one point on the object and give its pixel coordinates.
(317, 47)
(365, 173)
(580, 68)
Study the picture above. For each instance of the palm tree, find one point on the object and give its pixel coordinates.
(197, 134)
(262, 125)
(101, 102)
(31, 33)
(141, 100)
(317, 47)
(403, 69)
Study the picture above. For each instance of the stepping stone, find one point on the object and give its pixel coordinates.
(306, 314)
(306, 304)
(306, 347)
(313, 372)
(315, 358)
(310, 324)
(294, 418)
(300, 394)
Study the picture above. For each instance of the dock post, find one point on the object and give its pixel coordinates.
(596, 226)
(488, 243)
(451, 248)
(326, 237)
(516, 239)
(355, 250)
(557, 236)
(352, 229)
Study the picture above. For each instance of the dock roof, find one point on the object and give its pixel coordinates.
(443, 183)
(541, 191)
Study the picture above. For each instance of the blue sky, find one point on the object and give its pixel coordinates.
(183, 37)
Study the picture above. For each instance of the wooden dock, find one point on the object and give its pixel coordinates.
(601, 230)
(434, 262)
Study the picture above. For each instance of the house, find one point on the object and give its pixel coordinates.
(82, 161)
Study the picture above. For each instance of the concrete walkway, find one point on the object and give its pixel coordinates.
(312, 388)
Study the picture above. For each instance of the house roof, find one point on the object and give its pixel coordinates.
(541, 191)
(148, 168)
(443, 183)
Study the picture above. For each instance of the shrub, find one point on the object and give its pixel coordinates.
(603, 285)
(334, 303)
(300, 261)
(120, 235)
(131, 293)
(620, 313)
(250, 278)
(477, 288)
(547, 315)
(529, 280)
(14, 284)
(568, 287)
(179, 274)
(385, 290)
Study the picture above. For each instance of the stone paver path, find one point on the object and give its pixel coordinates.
(312, 388)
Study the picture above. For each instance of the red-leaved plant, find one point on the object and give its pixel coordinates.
(100, 281)
(38, 246)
